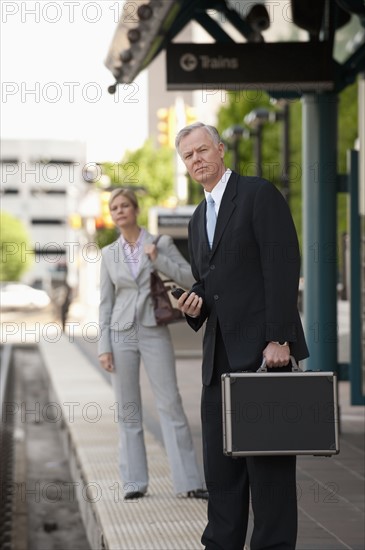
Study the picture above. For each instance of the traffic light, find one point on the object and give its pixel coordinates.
(75, 221)
(190, 115)
(166, 126)
(104, 221)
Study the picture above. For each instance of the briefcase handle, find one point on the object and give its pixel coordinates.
(295, 366)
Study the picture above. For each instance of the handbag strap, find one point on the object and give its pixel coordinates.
(156, 239)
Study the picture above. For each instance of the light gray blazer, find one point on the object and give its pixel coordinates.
(123, 299)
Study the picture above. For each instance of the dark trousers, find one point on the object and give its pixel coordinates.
(271, 482)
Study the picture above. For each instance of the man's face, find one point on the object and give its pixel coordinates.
(203, 158)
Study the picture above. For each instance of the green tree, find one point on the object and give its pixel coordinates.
(150, 171)
(14, 241)
(347, 134)
(242, 102)
(239, 104)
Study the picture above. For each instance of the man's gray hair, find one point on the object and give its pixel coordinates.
(212, 131)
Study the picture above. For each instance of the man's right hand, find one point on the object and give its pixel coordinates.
(190, 304)
(106, 361)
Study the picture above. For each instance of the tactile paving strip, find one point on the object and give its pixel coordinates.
(159, 521)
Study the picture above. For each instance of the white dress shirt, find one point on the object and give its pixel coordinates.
(218, 190)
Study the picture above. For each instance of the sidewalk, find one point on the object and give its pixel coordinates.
(330, 490)
(157, 522)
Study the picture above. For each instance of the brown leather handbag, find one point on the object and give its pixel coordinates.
(165, 313)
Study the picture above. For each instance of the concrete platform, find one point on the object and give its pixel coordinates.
(159, 521)
(330, 490)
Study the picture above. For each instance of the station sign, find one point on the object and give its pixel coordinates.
(288, 66)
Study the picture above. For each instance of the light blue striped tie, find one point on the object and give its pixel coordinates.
(211, 219)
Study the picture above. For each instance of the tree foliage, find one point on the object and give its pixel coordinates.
(150, 171)
(241, 103)
(347, 135)
(14, 246)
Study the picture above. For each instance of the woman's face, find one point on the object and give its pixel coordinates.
(123, 212)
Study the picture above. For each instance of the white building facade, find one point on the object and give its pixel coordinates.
(42, 182)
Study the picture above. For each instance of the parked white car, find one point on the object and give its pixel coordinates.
(21, 296)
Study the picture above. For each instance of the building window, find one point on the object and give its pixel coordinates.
(10, 191)
(36, 192)
(47, 221)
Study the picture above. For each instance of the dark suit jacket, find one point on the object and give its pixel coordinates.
(249, 280)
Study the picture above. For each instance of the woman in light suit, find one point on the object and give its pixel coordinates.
(129, 334)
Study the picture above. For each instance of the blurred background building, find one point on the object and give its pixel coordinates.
(41, 185)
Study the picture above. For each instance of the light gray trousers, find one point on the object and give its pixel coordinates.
(152, 345)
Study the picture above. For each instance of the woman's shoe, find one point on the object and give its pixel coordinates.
(133, 495)
(198, 493)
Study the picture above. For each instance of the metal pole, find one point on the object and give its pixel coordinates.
(357, 396)
(319, 229)
(258, 150)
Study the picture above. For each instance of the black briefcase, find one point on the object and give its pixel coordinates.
(277, 413)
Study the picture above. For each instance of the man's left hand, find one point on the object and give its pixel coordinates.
(190, 304)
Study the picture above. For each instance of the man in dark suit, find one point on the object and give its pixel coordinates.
(246, 291)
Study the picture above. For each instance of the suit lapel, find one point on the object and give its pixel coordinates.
(123, 266)
(143, 257)
(203, 237)
(226, 210)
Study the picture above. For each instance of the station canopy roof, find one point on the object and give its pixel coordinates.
(320, 44)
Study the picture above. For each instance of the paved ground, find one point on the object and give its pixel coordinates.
(46, 515)
(330, 490)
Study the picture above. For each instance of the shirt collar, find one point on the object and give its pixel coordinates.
(138, 241)
(219, 188)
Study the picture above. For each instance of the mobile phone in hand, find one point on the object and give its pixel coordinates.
(177, 292)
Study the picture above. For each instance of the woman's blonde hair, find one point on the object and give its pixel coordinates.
(125, 192)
